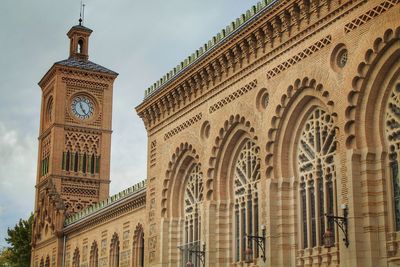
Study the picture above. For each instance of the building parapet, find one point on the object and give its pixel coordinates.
(106, 203)
(216, 40)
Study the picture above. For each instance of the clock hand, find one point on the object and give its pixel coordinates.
(80, 104)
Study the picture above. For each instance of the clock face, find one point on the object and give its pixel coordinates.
(82, 107)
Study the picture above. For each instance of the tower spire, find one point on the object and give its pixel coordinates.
(82, 13)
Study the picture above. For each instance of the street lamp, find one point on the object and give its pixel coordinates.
(201, 254)
(260, 240)
(342, 222)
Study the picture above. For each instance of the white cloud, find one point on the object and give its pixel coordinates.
(142, 40)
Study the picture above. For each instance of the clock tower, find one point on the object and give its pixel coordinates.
(75, 127)
(74, 140)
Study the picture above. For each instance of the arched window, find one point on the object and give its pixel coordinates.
(76, 258)
(84, 163)
(76, 161)
(114, 251)
(92, 164)
(192, 219)
(138, 247)
(393, 136)
(80, 46)
(47, 264)
(141, 250)
(94, 255)
(315, 161)
(67, 161)
(247, 175)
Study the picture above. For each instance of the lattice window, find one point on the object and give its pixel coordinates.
(247, 175)
(45, 162)
(315, 160)
(392, 129)
(192, 200)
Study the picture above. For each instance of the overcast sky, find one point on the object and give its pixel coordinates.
(141, 40)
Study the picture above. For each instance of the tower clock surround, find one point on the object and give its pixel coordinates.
(83, 107)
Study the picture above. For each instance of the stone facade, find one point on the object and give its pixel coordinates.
(289, 114)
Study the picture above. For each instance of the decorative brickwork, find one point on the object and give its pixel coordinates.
(96, 94)
(238, 93)
(45, 157)
(153, 153)
(183, 126)
(299, 57)
(370, 14)
(372, 56)
(295, 137)
(292, 92)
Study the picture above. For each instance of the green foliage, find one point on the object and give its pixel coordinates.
(5, 258)
(19, 239)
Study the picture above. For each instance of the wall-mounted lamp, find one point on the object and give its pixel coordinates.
(329, 237)
(260, 240)
(200, 254)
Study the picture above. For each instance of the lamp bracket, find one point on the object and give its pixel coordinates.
(342, 222)
(260, 240)
(200, 254)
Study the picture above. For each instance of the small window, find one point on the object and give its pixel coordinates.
(80, 46)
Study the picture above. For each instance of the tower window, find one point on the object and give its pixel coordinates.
(80, 46)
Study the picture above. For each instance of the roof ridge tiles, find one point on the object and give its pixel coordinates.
(84, 64)
(206, 47)
(106, 202)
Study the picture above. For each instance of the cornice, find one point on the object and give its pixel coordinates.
(107, 204)
(164, 106)
(233, 30)
(85, 83)
(244, 53)
(118, 209)
(76, 128)
(75, 72)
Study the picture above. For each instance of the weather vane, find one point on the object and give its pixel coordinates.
(82, 14)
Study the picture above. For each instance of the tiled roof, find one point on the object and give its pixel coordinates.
(106, 203)
(85, 65)
(218, 39)
(82, 28)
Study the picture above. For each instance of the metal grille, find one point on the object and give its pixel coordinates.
(316, 151)
(193, 198)
(393, 135)
(247, 175)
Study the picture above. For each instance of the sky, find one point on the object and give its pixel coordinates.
(141, 40)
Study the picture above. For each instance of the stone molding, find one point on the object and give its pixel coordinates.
(199, 80)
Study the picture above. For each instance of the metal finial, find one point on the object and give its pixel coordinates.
(83, 13)
(80, 14)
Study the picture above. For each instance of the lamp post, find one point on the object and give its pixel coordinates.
(260, 240)
(342, 222)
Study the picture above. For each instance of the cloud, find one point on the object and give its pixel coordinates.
(17, 176)
(142, 40)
